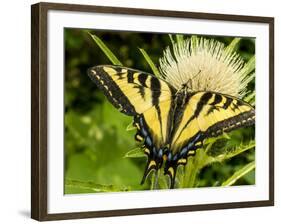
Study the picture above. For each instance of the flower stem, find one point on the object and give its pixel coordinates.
(192, 169)
(154, 180)
(190, 174)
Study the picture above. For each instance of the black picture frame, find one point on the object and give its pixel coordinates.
(39, 110)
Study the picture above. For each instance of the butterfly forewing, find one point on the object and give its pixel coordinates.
(131, 91)
(210, 114)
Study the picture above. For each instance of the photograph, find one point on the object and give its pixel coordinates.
(138, 111)
(134, 111)
(146, 111)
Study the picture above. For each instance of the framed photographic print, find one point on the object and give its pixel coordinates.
(138, 111)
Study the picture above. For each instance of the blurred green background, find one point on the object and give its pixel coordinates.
(96, 139)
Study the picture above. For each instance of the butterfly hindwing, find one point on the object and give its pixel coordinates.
(154, 128)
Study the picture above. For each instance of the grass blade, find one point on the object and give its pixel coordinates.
(240, 173)
(231, 47)
(150, 62)
(227, 155)
(251, 98)
(106, 50)
(93, 187)
(240, 149)
(250, 66)
(135, 153)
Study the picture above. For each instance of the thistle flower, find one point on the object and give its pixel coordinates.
(205, 65)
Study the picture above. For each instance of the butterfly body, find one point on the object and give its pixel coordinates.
(171, 123)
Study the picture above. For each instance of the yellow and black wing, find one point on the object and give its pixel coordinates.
(131, 91)
(205, 114)
(149, 99)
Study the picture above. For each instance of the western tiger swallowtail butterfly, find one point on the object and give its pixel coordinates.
(171, 123)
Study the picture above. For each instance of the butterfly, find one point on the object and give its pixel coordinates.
(171, 123)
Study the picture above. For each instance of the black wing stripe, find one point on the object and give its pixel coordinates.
(159, 119)
(142, 79)
(227, 103)
(141, 91)
(119, 73)
(241, 120)
(155, 85)
(130, 76)
(203, 101)
(218, 99)
(107, 85)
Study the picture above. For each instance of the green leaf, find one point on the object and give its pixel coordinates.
(231, 47)
(212, 140)
(250, 98)
(202, 159)
(229, 153)
(90, 186)
(106, 50)
(240, 149)
(154, 180)
(191, 171)
(135, 153)
(249, 67)
(162, 180)
(150, 62)
(240, 173)
(131, 127)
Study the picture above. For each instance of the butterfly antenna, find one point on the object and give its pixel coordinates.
(190, 80)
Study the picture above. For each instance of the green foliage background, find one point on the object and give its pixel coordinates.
(96, 139)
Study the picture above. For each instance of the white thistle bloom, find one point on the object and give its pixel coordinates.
(205, 65)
